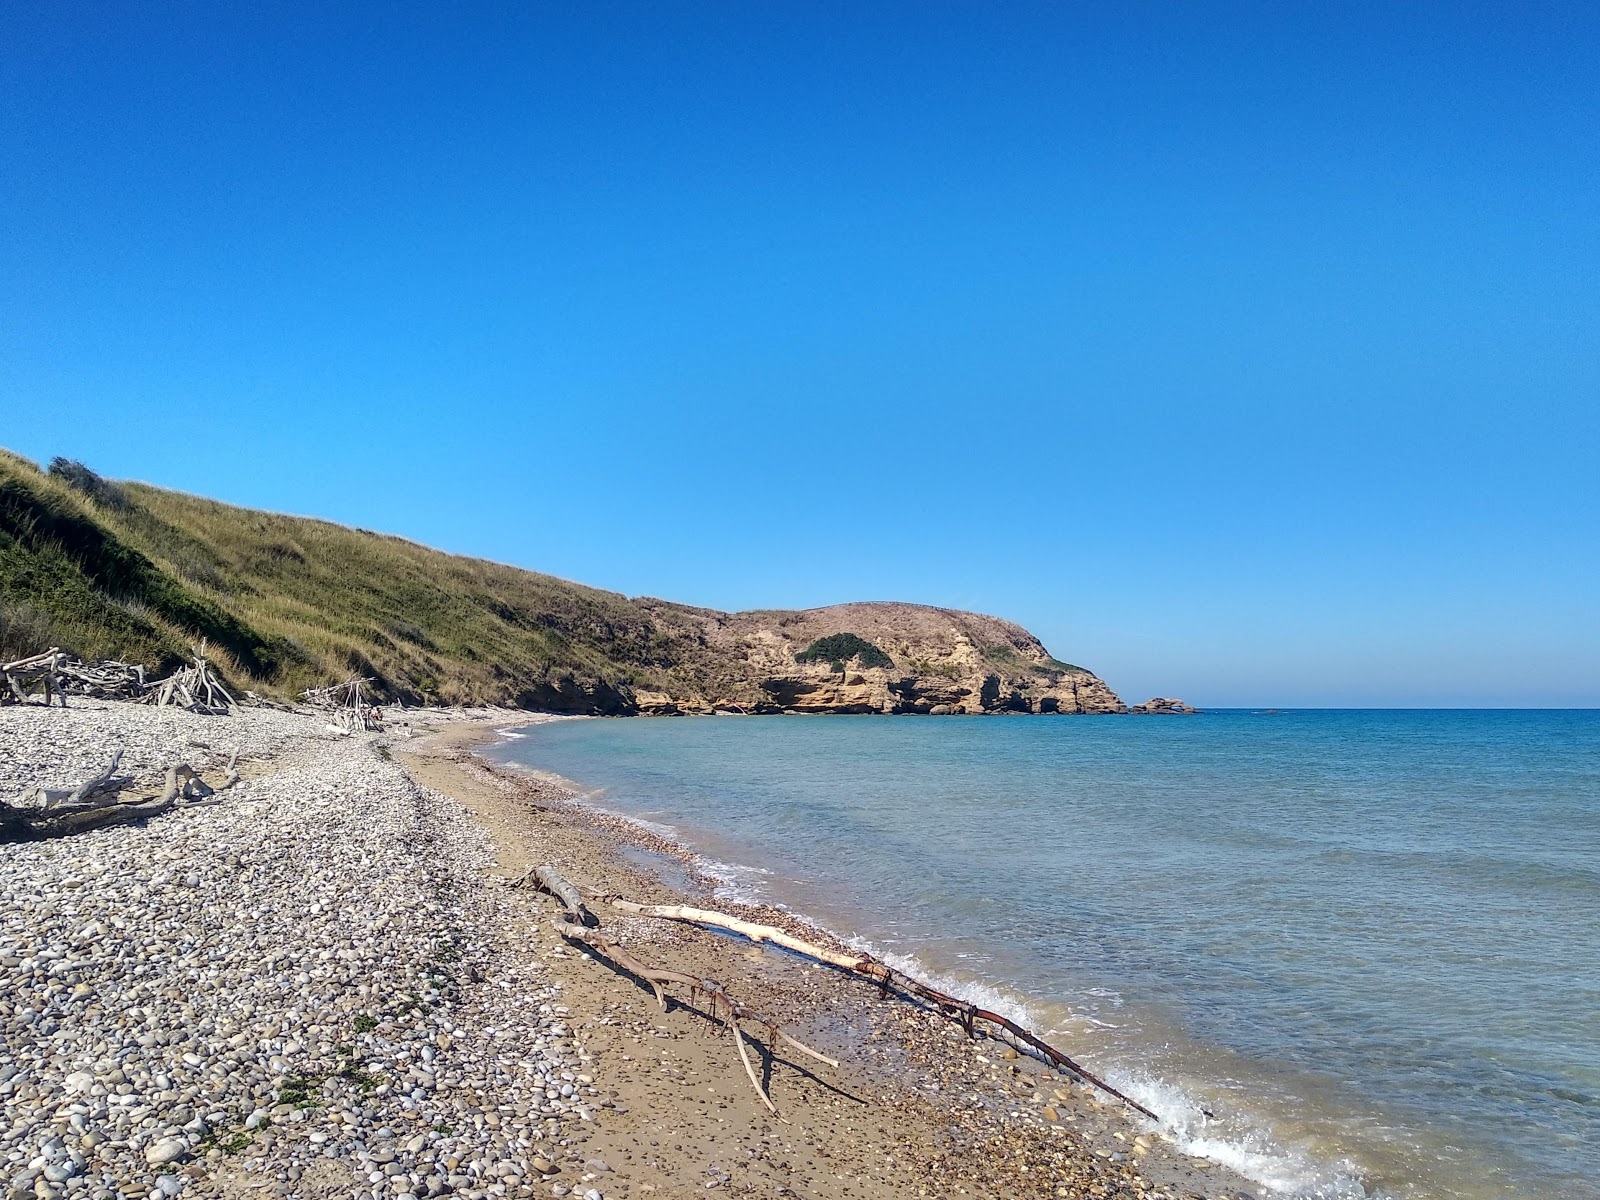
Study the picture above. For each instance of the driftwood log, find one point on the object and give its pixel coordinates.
(107, 679)
(38, 670)
(577, 924)
(885, 976)
(86, 795)
(93, 804)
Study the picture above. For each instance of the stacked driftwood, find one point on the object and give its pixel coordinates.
(346, 705)
(195, 687)
(43, 812)
(107, 679)
(54, 675)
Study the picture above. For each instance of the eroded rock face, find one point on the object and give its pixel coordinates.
(943, 661)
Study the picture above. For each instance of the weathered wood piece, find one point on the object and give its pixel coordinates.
(86, 794)
(57, 812)
(36, 670)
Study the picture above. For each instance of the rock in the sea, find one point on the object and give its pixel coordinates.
(1165, 705)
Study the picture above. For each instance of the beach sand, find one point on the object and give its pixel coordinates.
(916, 1108)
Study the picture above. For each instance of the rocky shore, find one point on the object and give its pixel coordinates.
(280, 995)
(321, 986)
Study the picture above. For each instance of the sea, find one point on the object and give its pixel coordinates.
(1345, 953)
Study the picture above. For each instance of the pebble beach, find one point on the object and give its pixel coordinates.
(321, 985)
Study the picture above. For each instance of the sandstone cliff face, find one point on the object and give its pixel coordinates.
(943, 661)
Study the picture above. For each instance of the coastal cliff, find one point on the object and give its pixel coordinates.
(928, 660)
(109, 569)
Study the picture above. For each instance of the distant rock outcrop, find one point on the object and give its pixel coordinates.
(904, 658)
(1163, 705)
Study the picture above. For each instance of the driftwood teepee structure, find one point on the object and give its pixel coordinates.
(195, 687)
(346, 705)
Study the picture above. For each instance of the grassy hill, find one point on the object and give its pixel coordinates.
(124, 570)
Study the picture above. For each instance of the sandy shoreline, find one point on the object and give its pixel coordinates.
(322, 987)
(916, 1107)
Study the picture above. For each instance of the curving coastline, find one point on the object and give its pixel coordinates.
(322, 987)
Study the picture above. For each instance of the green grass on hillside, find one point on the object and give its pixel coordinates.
(137, 572)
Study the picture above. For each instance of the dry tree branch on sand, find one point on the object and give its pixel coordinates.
(56, 812)
(576, 923)
(886, 977)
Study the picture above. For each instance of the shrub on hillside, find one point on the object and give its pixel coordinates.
(24, 631)
(81, 479)
(840, 648)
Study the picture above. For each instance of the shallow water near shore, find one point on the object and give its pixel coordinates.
(1346, 953)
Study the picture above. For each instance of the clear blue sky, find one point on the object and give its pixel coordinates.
(1247, 353)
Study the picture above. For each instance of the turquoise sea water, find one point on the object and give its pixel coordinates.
(1348, 953)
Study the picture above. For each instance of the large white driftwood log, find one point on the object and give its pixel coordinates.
(86, 794)
(576, 923)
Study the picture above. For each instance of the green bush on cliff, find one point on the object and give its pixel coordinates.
(840, 648)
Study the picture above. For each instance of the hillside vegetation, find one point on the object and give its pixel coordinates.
(124, 570)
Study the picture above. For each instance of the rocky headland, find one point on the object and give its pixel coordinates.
(889, 658)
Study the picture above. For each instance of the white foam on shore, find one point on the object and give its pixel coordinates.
(733, 881)
(1246, 1146)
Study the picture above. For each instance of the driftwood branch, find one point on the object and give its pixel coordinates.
(576, 923)
(59, 812)
(885, 976)
(42, 670)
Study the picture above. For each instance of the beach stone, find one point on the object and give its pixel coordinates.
(80, 1081)
(166, 1150)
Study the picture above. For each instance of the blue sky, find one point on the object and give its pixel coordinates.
(1246, 353)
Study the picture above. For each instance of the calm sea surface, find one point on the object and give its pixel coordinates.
(1368, 943)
